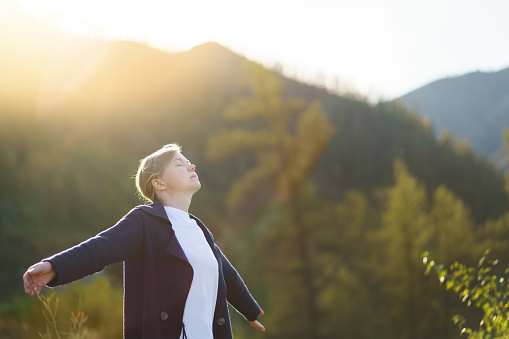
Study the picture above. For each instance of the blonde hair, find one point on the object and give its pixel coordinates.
(152, 167)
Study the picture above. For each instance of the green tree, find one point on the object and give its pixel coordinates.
(453, 238)
(405, 229)
(495, 232)
(286, 137)
(452, 226)
(311, 268)
(411, 223)
(495, 235)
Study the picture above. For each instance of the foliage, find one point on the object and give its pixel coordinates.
(371, 138)
(286, 141)
(310, 267)
(495, 235)
(89, 308)
(77, 330)
(480, 287)
(286, 138)
(404, 222)
(411, 221)
(505, 154)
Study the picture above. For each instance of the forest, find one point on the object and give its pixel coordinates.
(324, 203)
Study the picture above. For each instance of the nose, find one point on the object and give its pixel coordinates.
(192, 167)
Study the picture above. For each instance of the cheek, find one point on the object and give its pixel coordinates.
(177, 175)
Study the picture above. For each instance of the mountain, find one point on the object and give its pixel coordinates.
(122, 99)
(474, 107)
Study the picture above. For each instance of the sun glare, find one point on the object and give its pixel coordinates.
(163, 24)
(266, 31)
(370, 42)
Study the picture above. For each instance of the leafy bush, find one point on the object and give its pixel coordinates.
(481, 287)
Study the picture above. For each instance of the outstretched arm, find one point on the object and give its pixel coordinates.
(37, 276)
(238, 295)
(115, 244)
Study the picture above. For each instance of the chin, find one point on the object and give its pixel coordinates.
(197, 187)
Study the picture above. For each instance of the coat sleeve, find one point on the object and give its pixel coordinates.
(237, 293)
(115, 244)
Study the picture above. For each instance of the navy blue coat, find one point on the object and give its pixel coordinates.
(157, 274)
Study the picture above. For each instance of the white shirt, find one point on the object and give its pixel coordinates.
(201, 301)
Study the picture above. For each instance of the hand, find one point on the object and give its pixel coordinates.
(256, 324)
(37, 276)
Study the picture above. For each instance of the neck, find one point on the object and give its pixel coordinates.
(182, 202)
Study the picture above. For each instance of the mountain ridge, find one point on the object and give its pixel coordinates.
(474, 107)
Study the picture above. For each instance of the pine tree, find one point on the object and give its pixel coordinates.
(404, 225)
(311, 268)
(452, 227)
(286, 137)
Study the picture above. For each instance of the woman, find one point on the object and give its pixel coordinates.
(176, 279)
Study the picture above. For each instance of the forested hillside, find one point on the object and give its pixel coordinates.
(323, 203)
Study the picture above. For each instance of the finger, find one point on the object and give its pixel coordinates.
(32, 286)
(35, 269)
(261, 312)
(38, 286)
(259, 326)
(27, 283)
(29, 290)
(256, 324)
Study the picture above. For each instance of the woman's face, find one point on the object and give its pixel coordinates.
(179, 175)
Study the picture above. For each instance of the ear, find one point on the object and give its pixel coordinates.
(158, 185)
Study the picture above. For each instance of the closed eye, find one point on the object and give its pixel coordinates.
(180, 162)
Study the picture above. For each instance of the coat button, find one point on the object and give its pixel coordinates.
(221, 321)
(164, 315)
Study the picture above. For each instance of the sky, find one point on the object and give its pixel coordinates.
(378, 49)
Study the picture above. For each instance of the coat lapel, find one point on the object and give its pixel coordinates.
(156, 209)
(174, 248)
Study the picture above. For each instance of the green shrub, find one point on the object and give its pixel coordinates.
(479, 287)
